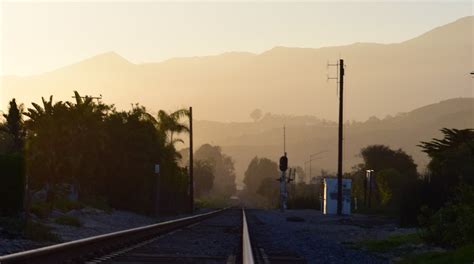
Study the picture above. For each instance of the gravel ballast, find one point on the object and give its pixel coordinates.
(315, 237)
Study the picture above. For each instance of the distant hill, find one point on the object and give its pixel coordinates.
(381, 79)
(307, 135)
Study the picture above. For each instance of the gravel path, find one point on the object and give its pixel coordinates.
(311, 235)
(213, 240)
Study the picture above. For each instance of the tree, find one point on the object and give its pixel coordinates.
(300, 175)
(452, 163)
(170, 123)
(108, 154)
(385, 185)
(394, 171)
(45, 139)
(256, 114)
(203, 177)
(14, 127)
(224, 182)
(261, 181)
(258, 170)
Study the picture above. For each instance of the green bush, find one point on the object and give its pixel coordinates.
(452, 225)
(211, 203)
(39, 232)
(463, 255)
(66, 205)
(389, 243)
(12, 181)
(40, 209)
(68, 220)
(97, 202)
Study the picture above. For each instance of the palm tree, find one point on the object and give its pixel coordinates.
(170, 124)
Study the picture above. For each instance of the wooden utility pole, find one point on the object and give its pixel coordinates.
(340, 139)
(191, 175)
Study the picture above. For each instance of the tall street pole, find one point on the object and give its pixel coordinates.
(339, 154)
(191, 169)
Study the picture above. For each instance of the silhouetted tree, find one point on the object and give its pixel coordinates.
(395, 173)
(14, 127)
(203, 177)
(258, 170)
(256, 115)
(170, 123)
(452, 163)
(224, 182)
(106, 153)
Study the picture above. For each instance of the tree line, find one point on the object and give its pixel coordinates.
(440, 200)
(103, 152)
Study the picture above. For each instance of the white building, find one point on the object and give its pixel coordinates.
(330, 196)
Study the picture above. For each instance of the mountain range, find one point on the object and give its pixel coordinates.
(381, 79)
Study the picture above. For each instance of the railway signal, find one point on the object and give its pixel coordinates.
(283, 163)
(282, 180)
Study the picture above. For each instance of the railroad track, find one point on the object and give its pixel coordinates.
(220, 236)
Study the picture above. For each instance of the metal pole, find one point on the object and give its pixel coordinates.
(191, 171)
(365, 187)
(283, 193)
(310, 177)
(339, 155)
(370, 188)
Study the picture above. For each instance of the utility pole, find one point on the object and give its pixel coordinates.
(340, 78)
(339, 154)
(191, 171)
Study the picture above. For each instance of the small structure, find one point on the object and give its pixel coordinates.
(330, 196)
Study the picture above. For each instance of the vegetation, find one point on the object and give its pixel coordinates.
(394, 174)
(390, 243)
(462, 255)
(104, 153)
(304, 195)
(203, 177)
(13, 128)
(450, 189)
(223, 169)
(12, 180)
(39, 232)
(68, 220)
(261, 181)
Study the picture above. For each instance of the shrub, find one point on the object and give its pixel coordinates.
(210, 202)
(40, 209)
(12, 180)
(39, 232)
(389, 243)
(97, 202)
(68, 220)
(452, 224)
(66, 205)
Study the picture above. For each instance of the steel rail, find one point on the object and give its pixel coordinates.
(80, 250)
(247, 254)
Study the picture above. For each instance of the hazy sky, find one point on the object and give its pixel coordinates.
(39, 37)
